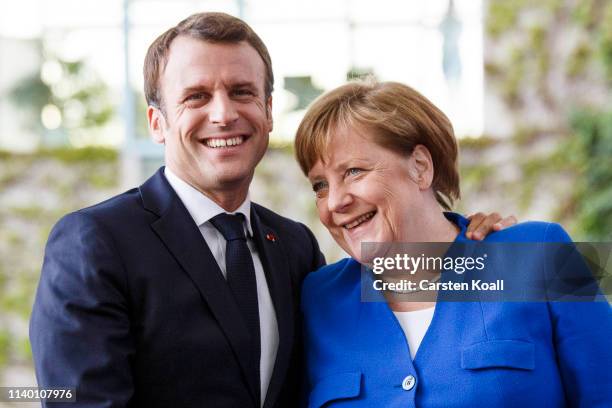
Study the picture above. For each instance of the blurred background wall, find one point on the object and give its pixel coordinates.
(527, 85)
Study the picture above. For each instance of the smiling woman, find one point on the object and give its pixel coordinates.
(382, 160)
(363, 161)
(357, 187)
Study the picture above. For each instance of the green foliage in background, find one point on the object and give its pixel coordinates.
(555, 57)
(86, 154)
(78, 93)
(592, 156)
(37, 189)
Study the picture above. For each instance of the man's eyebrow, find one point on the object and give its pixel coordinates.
(234, 85)
(193, 88)
(243, 84)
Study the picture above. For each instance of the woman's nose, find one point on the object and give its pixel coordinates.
(339, 199)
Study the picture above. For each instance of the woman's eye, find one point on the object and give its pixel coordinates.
(353, 171)
(319, 188)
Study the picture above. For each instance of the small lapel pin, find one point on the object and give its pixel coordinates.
(271, 237)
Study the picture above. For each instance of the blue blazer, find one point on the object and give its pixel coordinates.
(133, 311)
(494, 354)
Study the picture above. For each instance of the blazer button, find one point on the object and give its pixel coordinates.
(408, 383)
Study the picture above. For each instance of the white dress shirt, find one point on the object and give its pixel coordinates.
(202, 209)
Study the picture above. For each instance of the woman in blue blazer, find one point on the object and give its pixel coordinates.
(382, 161)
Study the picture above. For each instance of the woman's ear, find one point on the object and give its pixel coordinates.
(423, 166)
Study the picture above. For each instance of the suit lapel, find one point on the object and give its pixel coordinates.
(276, 267)
(182, 237)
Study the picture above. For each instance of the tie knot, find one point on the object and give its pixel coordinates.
(229, 225)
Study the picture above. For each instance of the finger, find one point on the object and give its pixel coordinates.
(475, 220)
(486, 226)
(505, 223)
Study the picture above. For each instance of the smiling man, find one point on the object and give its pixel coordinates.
(214, 115)
(183, 293)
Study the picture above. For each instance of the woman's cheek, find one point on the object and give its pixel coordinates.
(321, 211)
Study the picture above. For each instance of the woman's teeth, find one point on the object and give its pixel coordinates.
(234, 141)
(360, 220)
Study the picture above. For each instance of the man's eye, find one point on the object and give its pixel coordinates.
(195, 97)
(243, 92)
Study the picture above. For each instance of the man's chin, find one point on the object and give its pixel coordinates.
(233, 178)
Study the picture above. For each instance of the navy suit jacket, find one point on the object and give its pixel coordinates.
(132, 309)
(490, 354)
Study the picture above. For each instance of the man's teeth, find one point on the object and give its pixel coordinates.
(359, 220)
(234, 141)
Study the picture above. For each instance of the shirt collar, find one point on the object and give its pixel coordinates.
(200, 207)
(461, 222)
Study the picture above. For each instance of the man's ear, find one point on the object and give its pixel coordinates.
(269, 113)
(423, 166)
(156, 124)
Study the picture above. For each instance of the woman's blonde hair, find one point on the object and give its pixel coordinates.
(396, 117)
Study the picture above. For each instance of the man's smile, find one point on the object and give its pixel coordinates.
(224, 142)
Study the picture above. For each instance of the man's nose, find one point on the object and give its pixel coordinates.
(221, 110)
(339, 199)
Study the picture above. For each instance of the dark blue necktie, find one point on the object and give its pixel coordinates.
(241, 276)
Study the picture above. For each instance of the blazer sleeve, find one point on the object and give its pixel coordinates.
(582, 333)
(80, 327)
(317, 260)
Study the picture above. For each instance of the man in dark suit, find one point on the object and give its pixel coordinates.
(183, 293)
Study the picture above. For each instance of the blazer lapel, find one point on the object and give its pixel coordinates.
(182, 237)
(276, 267)
(378, 325)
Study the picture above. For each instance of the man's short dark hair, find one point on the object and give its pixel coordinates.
(210, 27)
